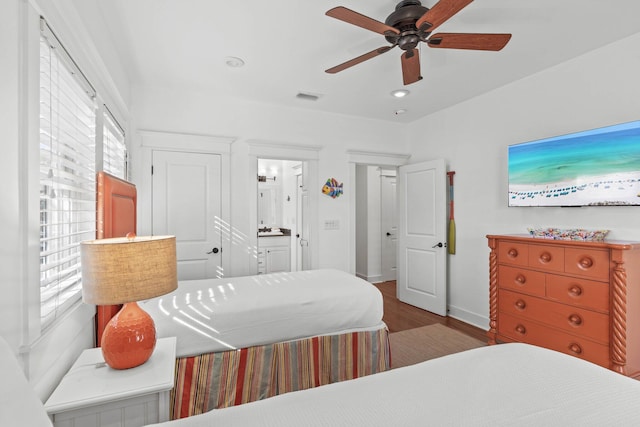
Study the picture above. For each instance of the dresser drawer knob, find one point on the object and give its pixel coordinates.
(512, 252)
(575, 290)
(521, 304)
(521, 329)
(575, 348)
(545, 257)
(575, 320)
(521, 279)
(586, 262)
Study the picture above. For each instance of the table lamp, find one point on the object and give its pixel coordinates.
(124, 270)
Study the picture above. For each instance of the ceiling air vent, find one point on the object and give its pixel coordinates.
(307, 96)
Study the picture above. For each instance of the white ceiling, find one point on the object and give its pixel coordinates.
(287, 45)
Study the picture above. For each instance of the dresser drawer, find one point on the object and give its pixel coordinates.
(590, 263)
(579, 292)
(521, 280)
(574, 320)
(513, 253)
(549, 258)
(527, 331)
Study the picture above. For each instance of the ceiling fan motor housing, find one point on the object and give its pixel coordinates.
(404, 19)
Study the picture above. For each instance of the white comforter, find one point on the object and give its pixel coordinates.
(223, 314)
(502, 385)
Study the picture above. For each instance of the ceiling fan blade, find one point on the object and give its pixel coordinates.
(469, 41)
(439, 13)
(355, 18)
(359, 59)
(411, 67)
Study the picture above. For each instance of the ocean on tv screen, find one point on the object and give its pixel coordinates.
(599, 167)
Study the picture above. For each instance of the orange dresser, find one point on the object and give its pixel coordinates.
(580, 298)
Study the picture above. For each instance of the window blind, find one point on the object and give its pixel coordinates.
(114, 149)
(67, 175)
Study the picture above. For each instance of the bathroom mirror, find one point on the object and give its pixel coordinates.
(267, 199)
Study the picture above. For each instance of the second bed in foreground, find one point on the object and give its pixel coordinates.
(501, 385)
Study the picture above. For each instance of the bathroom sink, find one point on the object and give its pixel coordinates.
(272, 232)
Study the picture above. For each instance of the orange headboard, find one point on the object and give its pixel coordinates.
(116, 216)
(116, 206)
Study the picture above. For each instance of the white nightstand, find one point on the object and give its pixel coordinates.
(92, 394)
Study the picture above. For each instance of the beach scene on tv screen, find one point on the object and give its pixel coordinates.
(599, 167)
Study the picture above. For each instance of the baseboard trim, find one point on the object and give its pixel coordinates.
(465, 316)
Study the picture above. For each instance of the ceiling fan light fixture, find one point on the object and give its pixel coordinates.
(400, 93)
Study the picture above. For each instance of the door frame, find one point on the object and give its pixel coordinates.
(174, 141)
(281, 151)
(356, 157)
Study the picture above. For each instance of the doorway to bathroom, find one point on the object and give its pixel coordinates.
(283, 226)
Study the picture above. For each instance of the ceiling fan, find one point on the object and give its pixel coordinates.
(410, 24)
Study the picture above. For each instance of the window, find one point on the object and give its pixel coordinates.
(114, 149)
(67, 175)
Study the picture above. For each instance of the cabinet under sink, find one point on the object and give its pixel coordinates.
(274, 253)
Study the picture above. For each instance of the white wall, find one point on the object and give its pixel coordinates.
(594, 90)
(197, 113)
(368, 241)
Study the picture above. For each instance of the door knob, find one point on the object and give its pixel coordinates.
(438, 245)
(213, 251)
(389, 234)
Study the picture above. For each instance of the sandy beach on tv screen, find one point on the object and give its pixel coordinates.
(604, 190)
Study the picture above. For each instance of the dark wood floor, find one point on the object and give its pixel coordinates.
(400, 316)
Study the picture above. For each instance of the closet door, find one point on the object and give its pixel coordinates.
(186, 203)
(422, 230)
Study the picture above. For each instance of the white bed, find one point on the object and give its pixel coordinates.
(215, 315)
(243, 339)
(500, 385)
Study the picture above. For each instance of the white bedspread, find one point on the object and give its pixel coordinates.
(501, 385)
(222, 314)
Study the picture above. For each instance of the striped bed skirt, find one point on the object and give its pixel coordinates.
(218, 380)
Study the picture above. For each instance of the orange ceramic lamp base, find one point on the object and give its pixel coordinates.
(129, 338)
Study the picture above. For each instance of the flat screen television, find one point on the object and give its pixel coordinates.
(597, 167)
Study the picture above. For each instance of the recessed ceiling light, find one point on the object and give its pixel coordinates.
(400, 93)
(234, 62)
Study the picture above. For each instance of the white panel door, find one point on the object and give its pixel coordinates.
(389, 227)
(186, 203)
(422, 230)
